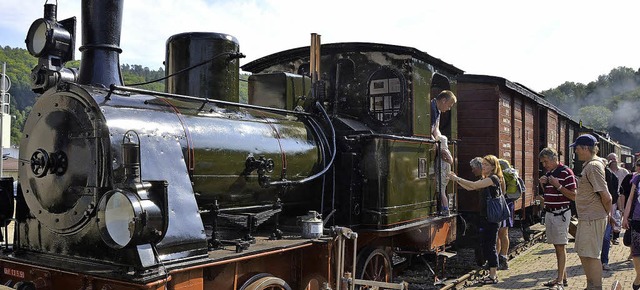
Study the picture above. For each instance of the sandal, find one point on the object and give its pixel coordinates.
(488, 280)
(556, 287)
(552, 283)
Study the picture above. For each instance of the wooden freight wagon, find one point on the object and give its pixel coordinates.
(499, 117)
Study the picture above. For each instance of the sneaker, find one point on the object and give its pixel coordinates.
(502, 262)
(615, 242)
(606, 267)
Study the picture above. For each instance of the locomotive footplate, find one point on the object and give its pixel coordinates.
(263, 245)
(47, 268)
(54, 269)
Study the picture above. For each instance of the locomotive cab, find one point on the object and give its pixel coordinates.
(379, 97)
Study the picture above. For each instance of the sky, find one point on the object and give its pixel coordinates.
(540, 44)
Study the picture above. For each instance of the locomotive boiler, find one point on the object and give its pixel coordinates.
(102, 157)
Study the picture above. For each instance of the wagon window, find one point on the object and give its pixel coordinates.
(386, 94)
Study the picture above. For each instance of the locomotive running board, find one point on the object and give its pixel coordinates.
(381, 285)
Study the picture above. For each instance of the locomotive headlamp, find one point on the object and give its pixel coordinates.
(37, 37)
(53, 43)
(47, 37)
(125, 219)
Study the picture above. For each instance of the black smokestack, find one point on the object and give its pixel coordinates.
(101, 26)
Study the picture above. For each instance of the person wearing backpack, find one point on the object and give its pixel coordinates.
(631, 222)
(491, 185)
(512, 193)
(559, 185)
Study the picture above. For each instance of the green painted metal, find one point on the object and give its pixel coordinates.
(278, 90)
(421, 82)
(395, 192)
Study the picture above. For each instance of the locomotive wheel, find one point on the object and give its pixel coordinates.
(314, 282)
(375, 265)
(265, 281)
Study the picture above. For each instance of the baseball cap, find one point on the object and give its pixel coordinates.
(585, 140)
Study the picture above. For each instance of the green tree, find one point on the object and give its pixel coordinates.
(244, 88)
(597, 117)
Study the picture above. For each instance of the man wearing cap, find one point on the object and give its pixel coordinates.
(593, 203)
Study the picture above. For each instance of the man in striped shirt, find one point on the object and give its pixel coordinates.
(559, 186)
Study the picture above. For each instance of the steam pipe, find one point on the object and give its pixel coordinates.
(323, 171)
(113, 88)
(101, 27)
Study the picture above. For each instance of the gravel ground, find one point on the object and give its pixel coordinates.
(419, 276)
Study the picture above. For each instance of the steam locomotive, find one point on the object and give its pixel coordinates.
(125, 188)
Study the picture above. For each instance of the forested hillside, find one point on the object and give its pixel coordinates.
(611, 103)
(19, 65)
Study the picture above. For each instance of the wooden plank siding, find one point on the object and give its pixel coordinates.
(505, 127)
(552, 130)
(495, 119)
(572, 129)
(477, 128)
(529, 171)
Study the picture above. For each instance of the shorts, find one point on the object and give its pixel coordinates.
(589, 237)
(557, 228)
(444, 175)
(508, 223)
(635, 243)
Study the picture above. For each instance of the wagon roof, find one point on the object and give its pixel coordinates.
(332, 48)
(516, 87)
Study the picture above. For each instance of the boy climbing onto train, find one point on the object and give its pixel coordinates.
(440, 104)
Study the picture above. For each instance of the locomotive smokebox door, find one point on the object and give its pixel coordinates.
(62, 130)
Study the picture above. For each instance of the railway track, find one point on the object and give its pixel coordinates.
(461, 270)
(516, 250)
